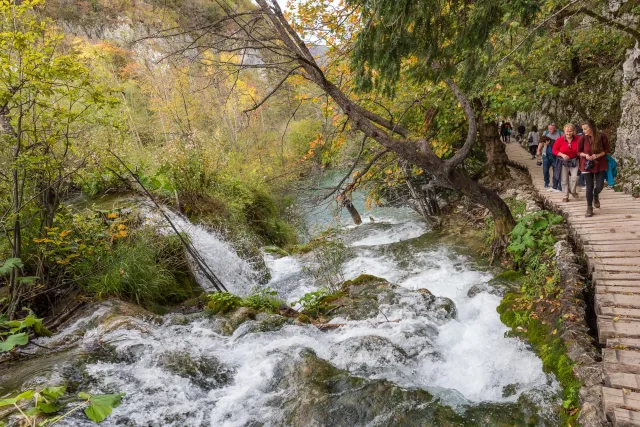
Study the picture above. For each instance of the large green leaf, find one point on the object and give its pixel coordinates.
(10, 264)
(14, 340)
(53, 393)
(13, 400)
(47, 407)
(100, 405)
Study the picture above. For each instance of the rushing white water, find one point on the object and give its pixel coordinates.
(191, 374)
(474, 357)
(235, 273)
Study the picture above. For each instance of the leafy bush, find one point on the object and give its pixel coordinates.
(224, 302)
(531, 234)
(312, 302)
(16, 332)
(261, 300)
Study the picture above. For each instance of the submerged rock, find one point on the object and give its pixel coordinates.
(206, 372)
(367, 296)
(368, 355)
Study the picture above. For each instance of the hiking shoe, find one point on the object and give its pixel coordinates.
(589, 213)
(596, 202)
(566, 199)
(574, 194)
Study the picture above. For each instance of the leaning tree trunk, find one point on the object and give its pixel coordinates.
(502, 218)
(357, 220)
(494, 149)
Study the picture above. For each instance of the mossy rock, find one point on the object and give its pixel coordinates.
(271, 322)
(304, 319)
(206, 372)
(364, 279)
(311, 391)
(237, 318)
(275, 250)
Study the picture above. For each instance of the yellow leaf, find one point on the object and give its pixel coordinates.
(113, 215)
(65, 233)
(615, 319)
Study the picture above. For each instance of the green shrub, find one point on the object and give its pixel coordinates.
(532, 234)
(262, 300)
(223, 302)
(146, 268)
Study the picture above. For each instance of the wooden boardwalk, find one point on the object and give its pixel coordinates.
(611, 242)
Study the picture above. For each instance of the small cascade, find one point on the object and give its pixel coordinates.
(238, 275)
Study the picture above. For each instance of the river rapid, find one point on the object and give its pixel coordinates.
(412, 363)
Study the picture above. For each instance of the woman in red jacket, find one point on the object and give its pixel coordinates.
(592, 150)
(566, 149)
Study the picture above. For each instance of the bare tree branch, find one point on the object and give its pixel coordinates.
(273, 91)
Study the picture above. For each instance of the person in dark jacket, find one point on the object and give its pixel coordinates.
(593, 149)
(548, 159)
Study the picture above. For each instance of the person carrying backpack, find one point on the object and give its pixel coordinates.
(548, 159)
(593, 149)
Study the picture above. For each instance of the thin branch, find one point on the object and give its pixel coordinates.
(210, 275)
(348, 174)
(273, 91)
(618, 25)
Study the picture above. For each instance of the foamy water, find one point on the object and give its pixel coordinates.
(410, 342)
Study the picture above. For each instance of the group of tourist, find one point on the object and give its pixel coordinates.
(569, 153)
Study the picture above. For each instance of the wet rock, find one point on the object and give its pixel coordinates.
(444, 309)
(509, 390)
(206, 372)
(132, 353)
(370, 354)
(179, 319)
(237, 318)
(312, 392)
(271, 322)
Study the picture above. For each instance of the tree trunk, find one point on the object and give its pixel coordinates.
(15, 286)
(494, 149)
(357, 220)
(502, 217)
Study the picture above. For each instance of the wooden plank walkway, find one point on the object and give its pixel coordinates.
(611, 242)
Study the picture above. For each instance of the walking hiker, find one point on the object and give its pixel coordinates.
(566, 150)
(521, 131)
(592, 149)
(504, 132)
(534, 140)
(548, 159)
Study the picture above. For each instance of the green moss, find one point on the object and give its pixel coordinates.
(363, 279)
(303, 318)
(264, 300)
(510, 275)
(515, 312)
(276, 251)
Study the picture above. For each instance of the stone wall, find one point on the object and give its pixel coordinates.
(628, 141)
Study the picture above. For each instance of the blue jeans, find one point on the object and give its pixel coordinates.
(547, 164)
